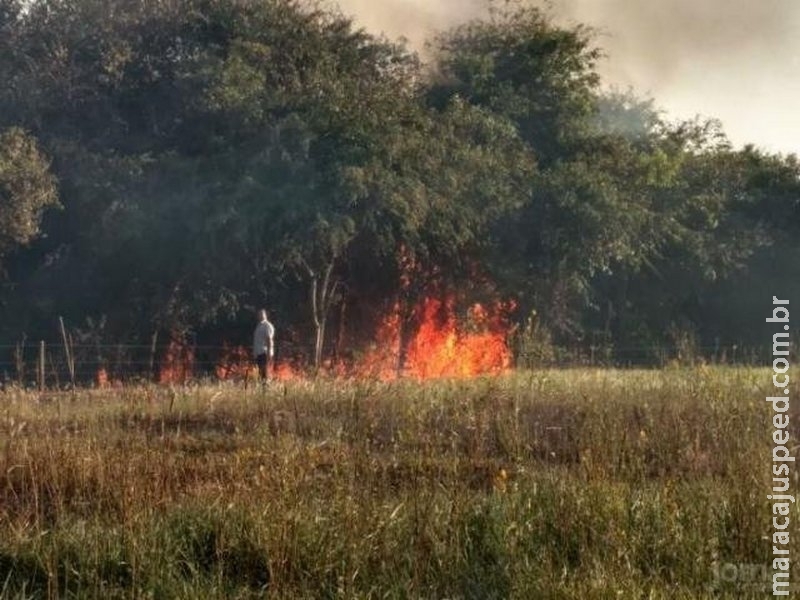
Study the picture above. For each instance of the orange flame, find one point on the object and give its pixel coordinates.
(101, 378)
(178, 363)
(284, 371)
(440, 348)
(441, 345)
(236, 363)
(105, 381)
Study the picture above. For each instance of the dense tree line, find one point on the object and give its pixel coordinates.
(166, 167)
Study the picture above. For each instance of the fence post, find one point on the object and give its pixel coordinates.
(67, 352)
(41, 366)
(153, 350)
(19, 362)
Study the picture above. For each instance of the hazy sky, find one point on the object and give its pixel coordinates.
(736, 60)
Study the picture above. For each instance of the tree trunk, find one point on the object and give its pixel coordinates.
(321, 295)
(319, 342)
(407, 327)
(153, 349)
(339, 347)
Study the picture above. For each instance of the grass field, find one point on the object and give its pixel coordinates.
(552, 484)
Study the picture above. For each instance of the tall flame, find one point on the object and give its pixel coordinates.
(439, 347)
(428, 341)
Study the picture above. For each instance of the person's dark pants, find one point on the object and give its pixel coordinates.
(263, 365)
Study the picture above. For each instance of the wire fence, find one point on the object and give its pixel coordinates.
(50, 364)
(59, 365)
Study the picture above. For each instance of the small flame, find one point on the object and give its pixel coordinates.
(101, 378)
(236, 363)
(178, 363)
(285, 371)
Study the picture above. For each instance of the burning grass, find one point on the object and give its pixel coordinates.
(440, 344)
(556, 484)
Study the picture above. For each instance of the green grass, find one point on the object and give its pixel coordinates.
(552, 484)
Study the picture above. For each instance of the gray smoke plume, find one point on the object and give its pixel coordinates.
(736, 60)
(415, 20)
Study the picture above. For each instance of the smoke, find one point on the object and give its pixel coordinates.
(736, 60)
(415, 20)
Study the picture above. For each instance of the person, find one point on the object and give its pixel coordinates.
(263, 344)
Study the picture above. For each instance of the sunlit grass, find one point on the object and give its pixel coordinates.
(548, 484)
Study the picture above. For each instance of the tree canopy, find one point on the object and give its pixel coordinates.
(214, 156)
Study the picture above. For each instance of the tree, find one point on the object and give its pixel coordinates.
(432, 193)
(214, 156)
(305, 97)
(580, 216)
(27, 188)
(520, 65)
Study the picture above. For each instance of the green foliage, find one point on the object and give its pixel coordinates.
(521, 65)
(621, 201)
(215, 157)
(27, 188)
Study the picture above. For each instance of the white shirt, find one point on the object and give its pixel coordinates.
(263, 339)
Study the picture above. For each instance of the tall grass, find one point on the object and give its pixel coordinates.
(551, 484)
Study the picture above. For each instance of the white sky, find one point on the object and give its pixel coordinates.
(736, 60)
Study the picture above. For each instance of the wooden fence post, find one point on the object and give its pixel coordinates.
(68, 352)
(41, 366)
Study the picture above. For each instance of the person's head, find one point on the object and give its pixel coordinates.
(262, 314)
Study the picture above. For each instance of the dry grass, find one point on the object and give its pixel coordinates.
(554, 484)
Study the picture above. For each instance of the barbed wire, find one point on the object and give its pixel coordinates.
(45, 364)
(53, 344)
